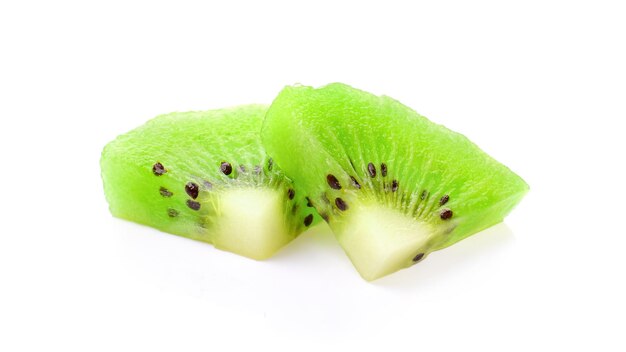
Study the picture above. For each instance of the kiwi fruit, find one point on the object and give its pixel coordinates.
(205, 175)
(393, 186)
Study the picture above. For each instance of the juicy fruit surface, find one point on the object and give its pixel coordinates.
(353, 152)
(205, 175)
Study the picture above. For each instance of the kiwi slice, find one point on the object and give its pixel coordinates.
(205, 175)
(392, 185)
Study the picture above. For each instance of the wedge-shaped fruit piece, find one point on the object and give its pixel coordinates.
(204, 175)
(393, 185)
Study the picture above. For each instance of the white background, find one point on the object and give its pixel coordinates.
(541, 85)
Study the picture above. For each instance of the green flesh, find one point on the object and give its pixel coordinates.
(247, 212)
(390, 220)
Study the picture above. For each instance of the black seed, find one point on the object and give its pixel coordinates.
(257, 169)
(226, 168)
(371, 169)
(341, 204)
(165, 192)
(383, 169)
(270, 164)
(242, 168)
(445, 214)
(158, 169)
(444, 200)
(308, 202)
(325, 217)
(192, 189)
(291, 193)
(355, 183)
(193, 204)
(333, 182)
(208, 185)
(351, 163)
(172, 213)
(308, 220)
(418, 257)
(423, 196)
(394, 185)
